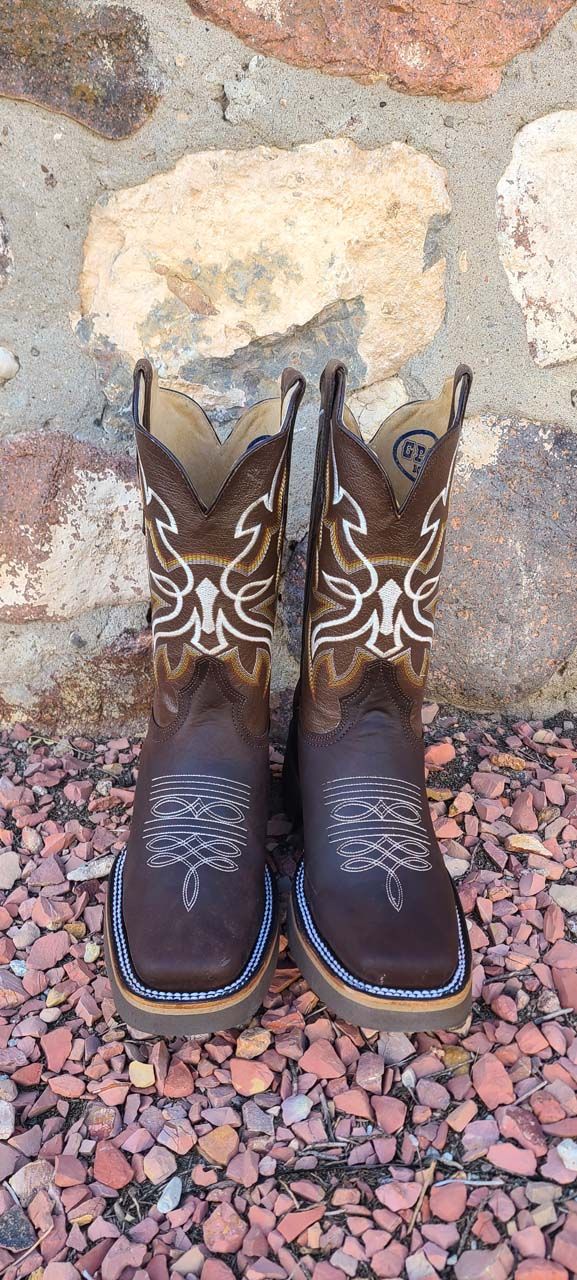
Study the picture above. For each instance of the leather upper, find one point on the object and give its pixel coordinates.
(375, 881)
(193, 882)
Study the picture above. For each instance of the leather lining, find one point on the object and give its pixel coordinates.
(404, 439)
(182, 425)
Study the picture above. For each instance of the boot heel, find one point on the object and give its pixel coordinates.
(290, 778)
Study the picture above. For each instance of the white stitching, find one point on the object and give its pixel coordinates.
(197, 822)
(123, 954)
(408, 993)
(378, 822)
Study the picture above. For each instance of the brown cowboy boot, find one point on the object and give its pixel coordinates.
(192, 922)
(375, 924)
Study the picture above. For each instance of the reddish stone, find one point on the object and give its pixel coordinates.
(224, 1231)
(353, 1102)
(492, 1082)
(563, 955)
(523, 815)
(488, 785)
(540, 1269)
(220, 1144)
(12, 991)
(391, 1113)
(60, 1271)
(293, 1224)
(111, 1168)
(250, 1077)
(438, 754)
(179, 1082)
(159, 1164)
(455, 52)
(123, 1254)
(49, 950)
(67, 1086)
(216, 1269)
(482, 1264)
(243, 1168)
(448, 1202)
(462, 1115)
(397, 1196)
(252, 1042)
(69, 1171)
(56, 1046)
(321, 1060)
(565, 1244)
(388, 1264)
(566, 988)
(518, 1160)
(529, 1242)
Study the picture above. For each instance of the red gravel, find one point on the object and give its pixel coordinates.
(299, 1147)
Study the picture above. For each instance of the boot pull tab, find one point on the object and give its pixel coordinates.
(292, 389)
(142, 393)
(462, 383)
(141, 401)
(333, 387)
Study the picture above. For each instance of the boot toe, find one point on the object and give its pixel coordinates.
(380, 951)
(172, 950)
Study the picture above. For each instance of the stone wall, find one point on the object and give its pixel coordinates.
(231, 185)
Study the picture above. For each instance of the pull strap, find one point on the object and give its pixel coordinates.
(462, 383)
(292, 389)
(333, 385)
(143, 382)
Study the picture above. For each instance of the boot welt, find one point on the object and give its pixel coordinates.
(191, 1012)
(391, 1011)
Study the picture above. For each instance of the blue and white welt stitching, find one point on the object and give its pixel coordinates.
(123, 954)
(406, 993)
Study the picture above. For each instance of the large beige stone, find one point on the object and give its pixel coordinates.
(536, 202)
(235, 262)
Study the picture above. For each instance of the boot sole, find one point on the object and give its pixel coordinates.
(364, 1009)
(191, 1013)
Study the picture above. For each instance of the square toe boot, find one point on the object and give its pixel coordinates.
(375, 923)
(192, 921)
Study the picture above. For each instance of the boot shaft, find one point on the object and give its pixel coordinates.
(214, 517)
(376, 545)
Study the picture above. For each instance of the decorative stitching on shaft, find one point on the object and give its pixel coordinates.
(378, 822)
(196, 820)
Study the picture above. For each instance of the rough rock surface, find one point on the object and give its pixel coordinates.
(93, 64)
(6, 259)
(72, 585)
(60, 677)
(453, 50)
(70, 528)
(536, 201)
(506, 620)
(233, 263)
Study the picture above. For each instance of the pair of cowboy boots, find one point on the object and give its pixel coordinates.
(374, 923)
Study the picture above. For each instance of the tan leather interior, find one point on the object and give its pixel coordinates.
(403, 441)
(183, 426)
